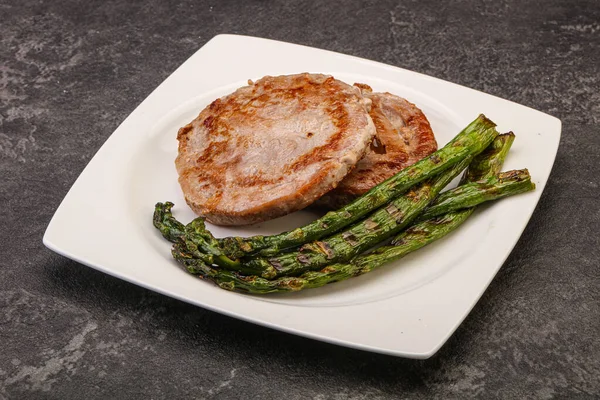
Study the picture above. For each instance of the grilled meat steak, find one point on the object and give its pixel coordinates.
(272, 147)
(403, 137)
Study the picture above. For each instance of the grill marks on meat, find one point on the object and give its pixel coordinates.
(403, 137)
(272, 147)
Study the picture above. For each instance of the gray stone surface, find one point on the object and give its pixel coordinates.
(70, 71)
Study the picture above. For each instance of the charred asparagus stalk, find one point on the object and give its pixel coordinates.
(388, 220)
(410, 240)
(464, 196)
(201, 243)
(163, 220)
(489, 162)
(376, 228)
(472, 140)
(485, 169)
(473, 193)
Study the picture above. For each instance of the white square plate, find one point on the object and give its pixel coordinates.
(408, 308)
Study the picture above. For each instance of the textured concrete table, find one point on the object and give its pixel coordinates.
(72, 71)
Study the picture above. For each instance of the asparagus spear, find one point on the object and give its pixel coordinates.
(381, 224)
(489, 162)
(410, 240)
(363, 235)
(464, 196)
(485, 168)
(413, 239)
(197, 240)
(473, 193)
(200, 240)
(174, 231)
(472, 140)
(163, 220)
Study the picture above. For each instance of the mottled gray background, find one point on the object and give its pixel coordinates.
(71, 71)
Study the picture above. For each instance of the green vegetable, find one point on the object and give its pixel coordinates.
(363, 235)
(412, 239)
(473, 193)
(485, 166)
(472, 140)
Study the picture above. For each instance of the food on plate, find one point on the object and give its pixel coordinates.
(471, 140)
(198, 251)
(281, 143)
(342, 246)
(272, 147)
(403, 137)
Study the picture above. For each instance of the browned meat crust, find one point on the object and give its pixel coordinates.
(272, 147)
(403, 137)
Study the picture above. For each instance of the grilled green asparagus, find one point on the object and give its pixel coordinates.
(472, 140)
(342, 246)
(483, 167)
(412, 239)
